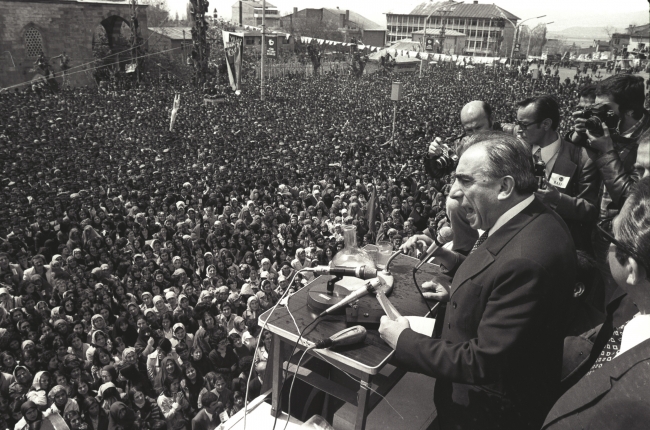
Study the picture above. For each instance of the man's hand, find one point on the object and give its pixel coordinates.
(390, 330)
(550, 195)
(579, 123)
(435, 291)
(411, 245)
(603, 143)
(435, 147)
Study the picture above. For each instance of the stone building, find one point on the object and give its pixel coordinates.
(54, 27)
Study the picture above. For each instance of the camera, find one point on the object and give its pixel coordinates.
(445, 162)
(597, 115)
(540, 174)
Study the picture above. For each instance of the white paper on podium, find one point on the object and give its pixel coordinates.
(422, 325)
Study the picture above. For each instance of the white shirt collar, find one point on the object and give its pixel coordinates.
(635, 332)
(208, 414)
(549, 150)
(511, 213)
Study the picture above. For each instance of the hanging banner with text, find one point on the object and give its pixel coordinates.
(271, 47)
(233, 45)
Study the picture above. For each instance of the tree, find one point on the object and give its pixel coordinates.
(609, 31)
(157, 12)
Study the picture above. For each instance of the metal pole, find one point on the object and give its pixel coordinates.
(263, 51)
(394, 116)
(487, 50)
(530, 35)
(514, 42)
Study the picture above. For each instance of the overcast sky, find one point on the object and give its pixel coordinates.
(564, 13)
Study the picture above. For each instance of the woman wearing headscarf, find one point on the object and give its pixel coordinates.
(169, 368)
(121, 417)
(97, 339)
(180, 334)
(107, 395)
(97, 322)
(127, 332)
(31, 417)
(39, 389)
(88, 235)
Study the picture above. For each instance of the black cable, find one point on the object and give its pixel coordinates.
(421, 293)
(286, 370)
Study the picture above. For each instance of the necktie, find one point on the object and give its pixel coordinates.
(538, 155)
(480, 240)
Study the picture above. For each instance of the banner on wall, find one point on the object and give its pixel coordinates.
(233, 45)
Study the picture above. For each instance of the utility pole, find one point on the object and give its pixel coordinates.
(263, 51)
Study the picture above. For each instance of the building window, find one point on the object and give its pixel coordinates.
(33, 42)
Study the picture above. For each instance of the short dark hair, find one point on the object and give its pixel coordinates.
(208, 398)
(507, 156)
(588, 91)
(626, 90)
(546, 106)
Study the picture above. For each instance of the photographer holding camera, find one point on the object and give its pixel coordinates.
(475, 117)
(612, 130)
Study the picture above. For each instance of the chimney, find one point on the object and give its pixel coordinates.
(347, 17)
(295, 11)
(475, 1)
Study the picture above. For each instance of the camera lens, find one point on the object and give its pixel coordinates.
(594, 126)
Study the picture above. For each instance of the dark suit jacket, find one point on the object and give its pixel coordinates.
(499, 357)
(616, 396)
(581, 352)
(202, 422)
(579, 195)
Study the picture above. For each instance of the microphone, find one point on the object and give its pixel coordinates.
(370, 287)
(362, 272)
(348, 336)
(445, 235)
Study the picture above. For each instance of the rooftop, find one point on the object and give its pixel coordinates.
(436, 31)
(463, 10)
(174, 33)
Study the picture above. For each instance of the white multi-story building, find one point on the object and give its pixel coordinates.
(489, 29)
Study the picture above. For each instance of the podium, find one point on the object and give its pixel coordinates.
(363, 361)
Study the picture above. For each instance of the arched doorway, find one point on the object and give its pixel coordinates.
(112, 47)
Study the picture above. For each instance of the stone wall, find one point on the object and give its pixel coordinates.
(64, 26)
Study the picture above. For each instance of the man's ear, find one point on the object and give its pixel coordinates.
(635, 272)
(506, 187)
(578, 290)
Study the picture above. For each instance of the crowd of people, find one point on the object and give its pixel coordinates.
(128, 249)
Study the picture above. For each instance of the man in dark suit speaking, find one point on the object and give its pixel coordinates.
(497, 362)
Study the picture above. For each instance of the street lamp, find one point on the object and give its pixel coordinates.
(530, 34)
(514, 42)
(444, 11)
(516, 27)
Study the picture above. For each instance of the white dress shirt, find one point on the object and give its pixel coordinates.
(511, 213)
(637, 330)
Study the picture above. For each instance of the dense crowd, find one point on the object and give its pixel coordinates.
(129, 250)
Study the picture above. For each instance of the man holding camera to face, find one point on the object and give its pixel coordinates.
(612, 130)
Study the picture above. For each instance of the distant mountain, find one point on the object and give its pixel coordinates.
(581, 32)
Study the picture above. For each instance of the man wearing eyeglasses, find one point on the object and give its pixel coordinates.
(571, 182)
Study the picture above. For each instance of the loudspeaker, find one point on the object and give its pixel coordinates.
(396, 93)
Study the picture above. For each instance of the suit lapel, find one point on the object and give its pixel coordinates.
(593, 386)
(480, 259)
(564, 166)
